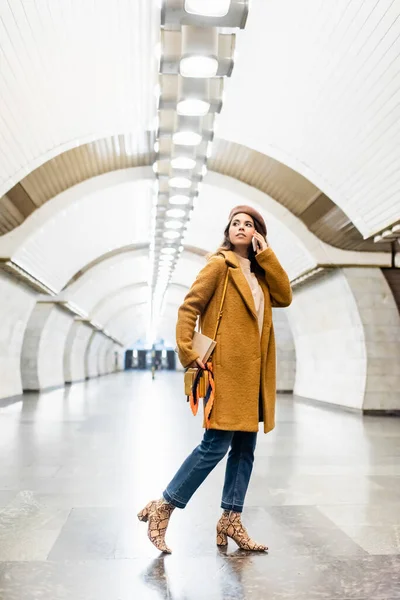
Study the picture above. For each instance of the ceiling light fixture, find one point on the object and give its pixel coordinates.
(208, 8)
(183, 162)
(198, 66)
(173, 224)
(187, 138)
(193, 107)
(171, 235)
(179, 200)
(168, 250)
(180, 182)
(176, 213)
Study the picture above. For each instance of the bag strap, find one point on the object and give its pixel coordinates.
(222, 304)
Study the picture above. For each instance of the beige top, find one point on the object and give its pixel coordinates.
(256, 290)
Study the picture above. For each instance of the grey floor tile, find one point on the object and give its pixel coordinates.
(6, 496)
(362, 514)
(217, 577)
(327, 506)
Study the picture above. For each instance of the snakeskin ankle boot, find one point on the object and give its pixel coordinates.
(230, 525)
(157, 514)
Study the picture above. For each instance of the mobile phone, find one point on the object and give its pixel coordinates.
(255, 244)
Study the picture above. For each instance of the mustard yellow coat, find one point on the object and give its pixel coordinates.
(244, 366)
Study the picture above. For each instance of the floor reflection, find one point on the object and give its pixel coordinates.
(173, 579)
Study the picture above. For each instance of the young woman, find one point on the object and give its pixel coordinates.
(244, 372)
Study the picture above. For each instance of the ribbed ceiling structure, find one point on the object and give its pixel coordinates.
(308, 133)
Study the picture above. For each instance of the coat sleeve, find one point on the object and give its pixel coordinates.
(194, 304)
(276, 278)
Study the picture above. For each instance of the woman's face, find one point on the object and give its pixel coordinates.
(241, 230)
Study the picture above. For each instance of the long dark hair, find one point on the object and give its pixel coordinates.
(227, 245)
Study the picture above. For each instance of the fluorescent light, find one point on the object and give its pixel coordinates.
(165, 259)
(168, 250)
(179, 200)
(180, 182)
(208, 8)
(173, 224)
(176, 213)
(183, 162)
(171, 235)
(186, 138)
(193, 107)
(156, 146)
(198, 66)
(155, 167)
(204, 170)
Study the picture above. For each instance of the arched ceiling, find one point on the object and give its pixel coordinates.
(84, 222)
(317, 87)
(308, 134)
(292, 190)
(113, 302)
(107, 214)
(73, 72)
(324, 104)
(106, 278)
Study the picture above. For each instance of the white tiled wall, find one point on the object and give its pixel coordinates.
(346, 329)
(16, 305)
(381, 323)
(42, 363)
(75, 349)
(91, 355)
(329, 341)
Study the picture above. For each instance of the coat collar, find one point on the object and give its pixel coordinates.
(239, 280)
(230, 258)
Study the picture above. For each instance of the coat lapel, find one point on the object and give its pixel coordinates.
(240, 281)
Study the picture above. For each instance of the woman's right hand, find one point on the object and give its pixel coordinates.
(198, 363)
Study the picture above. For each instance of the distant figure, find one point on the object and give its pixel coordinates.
(243, 364)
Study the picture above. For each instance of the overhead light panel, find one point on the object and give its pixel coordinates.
(174, 224)
(168, 250)
(179, 200)
(198, 66)
(175, 213)
(193, 107)
(208, 8)
(183, 162)
(199, 52)
(171, 235)
(187, 138)
(180, 182)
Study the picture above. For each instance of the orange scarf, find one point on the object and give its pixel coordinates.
(209, 397)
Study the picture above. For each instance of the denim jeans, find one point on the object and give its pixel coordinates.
(205, 457)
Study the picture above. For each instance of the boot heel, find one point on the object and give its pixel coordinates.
(143, 516)
(222, 539)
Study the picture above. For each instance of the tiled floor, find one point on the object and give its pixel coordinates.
(77, 464)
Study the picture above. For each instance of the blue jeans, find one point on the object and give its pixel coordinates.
(205, 457)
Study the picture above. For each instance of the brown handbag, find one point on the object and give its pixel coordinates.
(196, 380)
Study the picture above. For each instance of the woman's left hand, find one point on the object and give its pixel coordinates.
(261, 242)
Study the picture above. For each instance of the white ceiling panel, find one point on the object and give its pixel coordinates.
(135, 294)
(106, 278)
(317, 86)
(129, 325)
(79, 225)
(72, 72)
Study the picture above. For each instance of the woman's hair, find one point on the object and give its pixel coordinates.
(227, 245)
